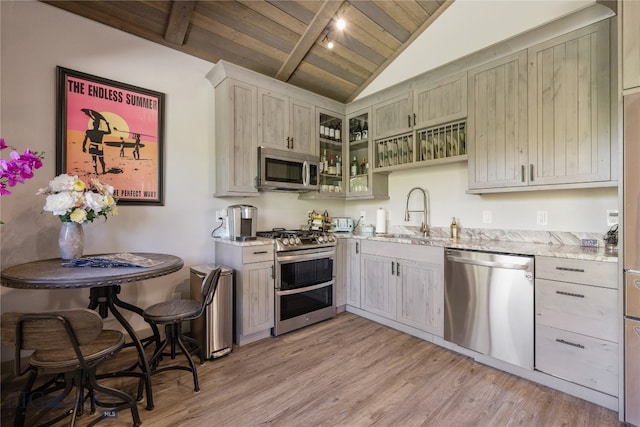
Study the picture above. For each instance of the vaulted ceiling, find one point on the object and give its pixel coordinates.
(286, 40)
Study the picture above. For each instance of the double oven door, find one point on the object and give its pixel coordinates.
(305, 288)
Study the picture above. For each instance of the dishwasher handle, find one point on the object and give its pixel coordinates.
(494, 264)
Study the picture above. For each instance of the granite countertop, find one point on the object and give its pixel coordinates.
(260, 241)
(510, 247)
(559, 245)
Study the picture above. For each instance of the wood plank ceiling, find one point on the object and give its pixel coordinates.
(286, 40)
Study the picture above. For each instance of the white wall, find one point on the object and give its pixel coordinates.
(36, 37)
(568, 210)
(480, 23)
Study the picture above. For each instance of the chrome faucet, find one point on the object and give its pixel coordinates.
(424, 228)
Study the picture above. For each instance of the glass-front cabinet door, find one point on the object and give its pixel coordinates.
(331, 161)
(362, 182)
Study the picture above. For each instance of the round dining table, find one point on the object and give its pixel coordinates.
(104, 285)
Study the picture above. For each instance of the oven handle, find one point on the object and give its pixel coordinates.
(281, 259)
(307, 289)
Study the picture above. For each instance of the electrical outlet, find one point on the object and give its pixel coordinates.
(176, 295)
(486, 217)
(363, 216)
(221, 213)
(542, 217)
(612, 217)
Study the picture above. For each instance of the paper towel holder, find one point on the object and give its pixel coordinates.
(381, 221)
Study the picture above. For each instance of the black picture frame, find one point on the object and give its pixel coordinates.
(113, 131)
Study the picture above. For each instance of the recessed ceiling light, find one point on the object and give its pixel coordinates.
(341, 24)
(330, 45)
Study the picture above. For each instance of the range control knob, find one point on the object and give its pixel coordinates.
(292, 241)
(298, 241)
(285, 242)
(320, 239)
(332, 238)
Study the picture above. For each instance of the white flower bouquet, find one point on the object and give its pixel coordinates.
(73, 201)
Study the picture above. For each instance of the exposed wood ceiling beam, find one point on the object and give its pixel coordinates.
(389, 60)
(179, 21)
(311, 34)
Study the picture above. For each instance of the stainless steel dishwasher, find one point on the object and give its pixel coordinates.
(489, 304)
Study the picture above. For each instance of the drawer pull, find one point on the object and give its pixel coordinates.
(577, 270)
(561, 341)
(260, 252)
(569, 294)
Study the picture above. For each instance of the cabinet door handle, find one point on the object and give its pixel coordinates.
(561, 341)
(531, 173)
(260, 252)
(291, 143)
(273, 273)
(408, 120)
(414, 119)
(522, 173)
(569, 294)
(288, 142)
(397, 268)
(575, 270)
(357, 247)
(393, 271)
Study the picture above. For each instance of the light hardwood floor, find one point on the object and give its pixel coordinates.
(350, 371)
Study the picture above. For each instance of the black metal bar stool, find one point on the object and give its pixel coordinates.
(171, 314)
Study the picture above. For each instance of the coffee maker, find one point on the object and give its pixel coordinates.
(243, 220)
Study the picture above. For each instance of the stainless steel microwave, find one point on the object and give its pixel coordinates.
(284, 170)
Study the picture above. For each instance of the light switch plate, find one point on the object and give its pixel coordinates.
(486, 217)
(612, 217)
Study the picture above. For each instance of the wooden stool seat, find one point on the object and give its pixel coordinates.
(104, 346)
(172, 311)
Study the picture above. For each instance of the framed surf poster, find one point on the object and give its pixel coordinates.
(113, 131)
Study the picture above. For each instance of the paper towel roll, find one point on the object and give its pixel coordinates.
(381, 221)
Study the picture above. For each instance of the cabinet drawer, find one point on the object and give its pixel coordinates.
(587, 310)
(257, 254)
(587, 361)
(405, 251)
(596, 273)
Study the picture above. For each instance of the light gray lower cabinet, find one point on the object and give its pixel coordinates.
(254, 288)
(407, 287)
(353, 272)
(577, 321)
(341, 269)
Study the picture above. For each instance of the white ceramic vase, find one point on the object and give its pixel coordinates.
(71, 240)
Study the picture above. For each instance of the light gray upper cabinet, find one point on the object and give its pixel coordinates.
(393, 116)
(630, 30)
(540, 118)
(236, 135)
(497, 123)
(441, 102)
(286, 123)
(569, 108)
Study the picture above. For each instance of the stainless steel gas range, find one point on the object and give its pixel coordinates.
(304, 278)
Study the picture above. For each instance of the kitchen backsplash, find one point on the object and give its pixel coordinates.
(528, 236)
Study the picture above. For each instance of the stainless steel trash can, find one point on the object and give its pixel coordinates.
(214, 330)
